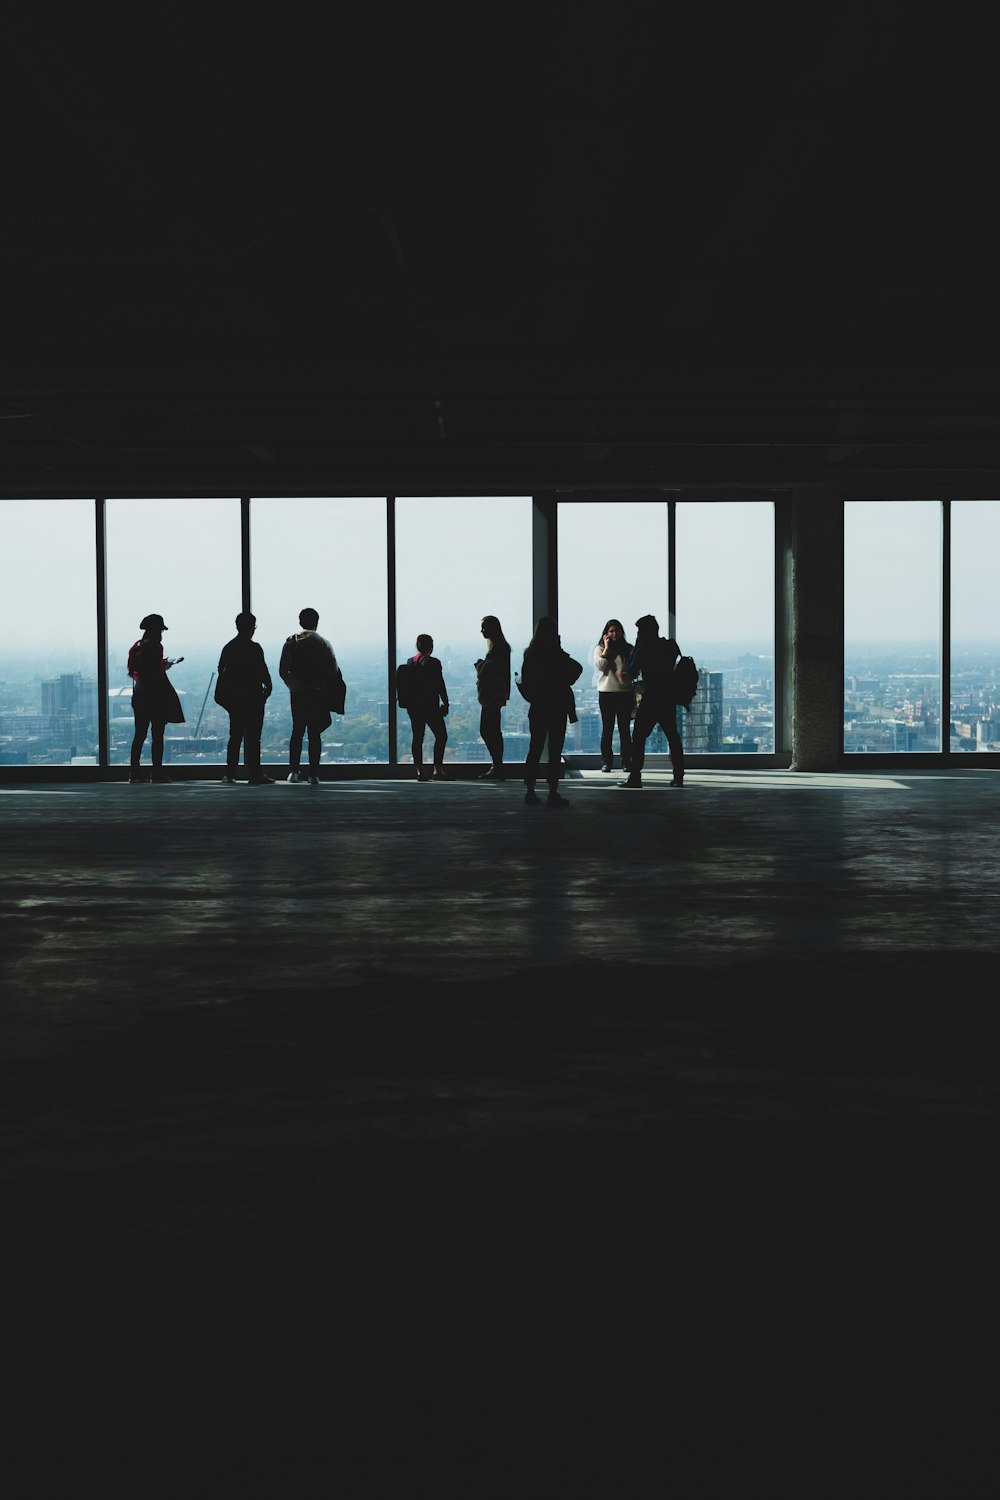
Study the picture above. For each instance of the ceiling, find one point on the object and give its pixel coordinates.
(497, 249)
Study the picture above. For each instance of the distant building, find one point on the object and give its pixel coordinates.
(702, 728)
(70, 693)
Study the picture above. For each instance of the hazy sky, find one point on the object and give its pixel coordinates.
(459, 559)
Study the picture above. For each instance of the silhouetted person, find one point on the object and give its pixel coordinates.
(243, 687)
(493, 692)
(547, 677)
(652, 662)
(309, 668)
(154, 701)
(427, 706)
(615, 696)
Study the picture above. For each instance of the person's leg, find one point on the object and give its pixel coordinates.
(623, 713)
(539, 730)
(489, 729)
(295, 741)
(557, 738)
(668, 723)
(606, 703)
(315, 749)
(158, 773)
(645, 718)
(436, 724)
(138, 739)
(253, 728)
(418, 725)
(236, 732)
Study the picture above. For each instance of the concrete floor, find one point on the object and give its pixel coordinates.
(721, 1059)
(218, 999)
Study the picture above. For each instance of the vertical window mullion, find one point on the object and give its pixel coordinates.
(945, 664)
(245, 553)
(390, 565)
(103, 704)
(672, 568)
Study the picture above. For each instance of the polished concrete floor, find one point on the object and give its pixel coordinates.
(707, 1077)
(222, 1004)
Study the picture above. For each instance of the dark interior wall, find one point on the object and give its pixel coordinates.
(588, 246)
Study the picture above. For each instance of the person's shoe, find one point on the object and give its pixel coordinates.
(677, 781)
(138, 778)
(422, 774)
(261, 780)
(495, 773)
(632, 783)
(160, 776)
(626, 766)
(313, 780)
(440, 775)
(555, 800)
(606, 766)
(293, 776)
(531, 797)
(227, 780)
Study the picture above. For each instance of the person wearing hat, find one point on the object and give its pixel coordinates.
(242, 688)
(154, 701)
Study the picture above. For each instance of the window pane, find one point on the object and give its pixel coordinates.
(892, 629)
(456, 561)
(48, 627)
(329, 555)
(725, 620)
(179, 559)
(612, 565)
(975, 632)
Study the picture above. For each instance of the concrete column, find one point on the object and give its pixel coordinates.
(816, 621)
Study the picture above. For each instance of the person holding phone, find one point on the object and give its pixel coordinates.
(155, 703)
(615, 694)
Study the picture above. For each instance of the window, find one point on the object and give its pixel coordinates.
(179, 559)
(458, 559)
(329, 555)
(613, 564)
(892, 630)
(48, 615)
(975, 633)
(725, 620)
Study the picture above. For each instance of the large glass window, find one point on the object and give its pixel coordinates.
(725, 620)
(179, 559)
(329, 555)
(48, 631)
(975, 626)
(458, 559)
(892, 626)
(613, 564)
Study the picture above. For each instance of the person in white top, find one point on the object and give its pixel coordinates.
(614, 693)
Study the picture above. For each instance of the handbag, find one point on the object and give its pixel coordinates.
(336, 697)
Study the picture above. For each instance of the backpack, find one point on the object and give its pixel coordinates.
(406, 684)
(685, 681)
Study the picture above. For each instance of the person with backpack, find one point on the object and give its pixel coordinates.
(546, 681)
(308, 667)
(242, 688)
(420, 689)
(652, 664)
